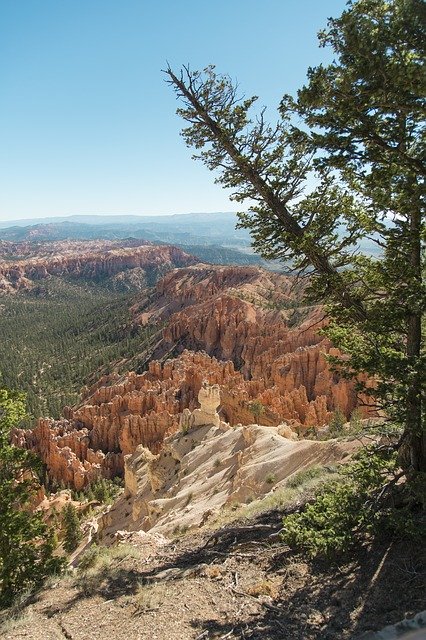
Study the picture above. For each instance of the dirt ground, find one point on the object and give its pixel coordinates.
(238, 582)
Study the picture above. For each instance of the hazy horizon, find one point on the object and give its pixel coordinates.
(111, 215)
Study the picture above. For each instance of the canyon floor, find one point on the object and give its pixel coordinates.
(238, 581)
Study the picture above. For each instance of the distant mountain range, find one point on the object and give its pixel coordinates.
(114, 219)
(194, 228)
(213, 237)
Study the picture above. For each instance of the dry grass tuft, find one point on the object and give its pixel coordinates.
(100, 564)
(151, 597)
(17, 614)
(263, 588)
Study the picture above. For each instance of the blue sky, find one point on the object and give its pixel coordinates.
(87, 123)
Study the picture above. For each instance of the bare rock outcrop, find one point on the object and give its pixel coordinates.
(93, 260)
(209, 399)
(200, 470)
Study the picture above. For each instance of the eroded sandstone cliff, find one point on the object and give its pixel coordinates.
(241, 328)
(118, 414)
(256, 319)
(205, 466)
(91, 260)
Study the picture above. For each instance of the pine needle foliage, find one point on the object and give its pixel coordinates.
(359, 503)
(72, 530)
(343, 163)
(27, 544)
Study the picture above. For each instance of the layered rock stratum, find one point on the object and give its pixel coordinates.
(91, 260)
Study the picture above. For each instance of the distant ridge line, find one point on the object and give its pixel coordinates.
(103, 218)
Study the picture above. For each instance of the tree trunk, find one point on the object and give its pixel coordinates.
(414, 428)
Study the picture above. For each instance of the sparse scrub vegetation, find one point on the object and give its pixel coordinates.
(257, 408)
(98, 556)
(359, 503)
(98, 564)
(337, 423)
(355, 422)
(271, 478)
(304, 486)
(180, 530)
(151, 597)
(16, 614)
(257, 301)
(305, 475)
(102, 490)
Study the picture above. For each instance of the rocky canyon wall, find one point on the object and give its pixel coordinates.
(90, 260)
(244, 329)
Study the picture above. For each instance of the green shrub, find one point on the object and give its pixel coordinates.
(355, 422)
(271, 478)
(180, 530)
(337, 422)
(257, 408)
(345, 510)
(71, 522)
(303, 476)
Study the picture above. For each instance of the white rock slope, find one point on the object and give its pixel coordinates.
(204, 467)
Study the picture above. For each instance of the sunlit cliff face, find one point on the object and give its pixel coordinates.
(246, 334)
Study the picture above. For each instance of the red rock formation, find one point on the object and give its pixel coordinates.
(91, 260)
(243, 315)
(267, 350)
(117, 415)
(120, 414)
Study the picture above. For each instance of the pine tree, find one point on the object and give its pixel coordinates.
(26, 542)
(345, 162)
(72, 527)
